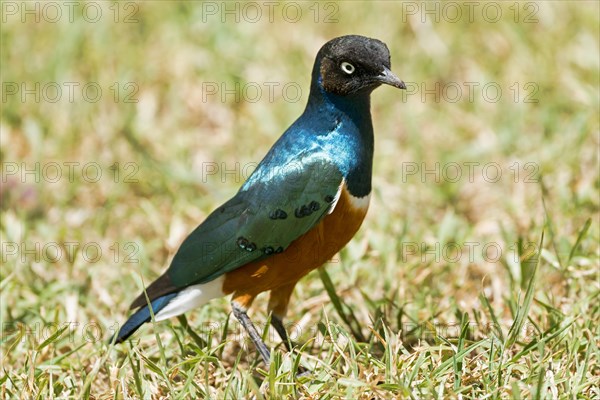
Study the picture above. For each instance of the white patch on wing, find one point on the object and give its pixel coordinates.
(192, 297)
(337, 197)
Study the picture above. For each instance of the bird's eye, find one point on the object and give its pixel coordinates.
(347, 67)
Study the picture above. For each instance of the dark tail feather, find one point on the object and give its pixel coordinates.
(140, 317)
(158, 288)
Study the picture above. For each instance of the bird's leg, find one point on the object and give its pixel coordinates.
(278, 303)
(241, 315)
(278, 325)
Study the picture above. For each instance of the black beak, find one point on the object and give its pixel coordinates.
(389, 78)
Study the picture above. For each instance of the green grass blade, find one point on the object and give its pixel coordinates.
(580, 237)
(523, 310)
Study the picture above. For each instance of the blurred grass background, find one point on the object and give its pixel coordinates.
(420, 325)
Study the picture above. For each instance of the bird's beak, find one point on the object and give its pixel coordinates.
(389, 78)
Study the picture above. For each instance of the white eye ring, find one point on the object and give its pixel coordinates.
(347, 68)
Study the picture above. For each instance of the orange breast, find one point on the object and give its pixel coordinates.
(306, 253)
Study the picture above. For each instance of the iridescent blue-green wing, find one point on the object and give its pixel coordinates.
(262, 219)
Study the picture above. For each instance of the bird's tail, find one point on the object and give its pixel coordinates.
(140, 317)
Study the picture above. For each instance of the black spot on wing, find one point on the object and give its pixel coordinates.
(306, 209)
(278, 214)
(245, 244)
(302, 211)
(268, 250)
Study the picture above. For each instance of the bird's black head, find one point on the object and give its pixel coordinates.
(352, 64)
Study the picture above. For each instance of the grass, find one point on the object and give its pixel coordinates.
(447, 291)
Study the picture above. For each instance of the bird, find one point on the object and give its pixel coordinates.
(302, 204)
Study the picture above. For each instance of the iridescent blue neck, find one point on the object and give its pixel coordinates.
(344, 129)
